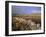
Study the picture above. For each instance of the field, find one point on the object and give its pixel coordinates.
(26, 22)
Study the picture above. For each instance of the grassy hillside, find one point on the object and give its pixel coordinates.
(21, 22)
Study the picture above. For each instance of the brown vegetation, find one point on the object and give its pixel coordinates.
(32, 22)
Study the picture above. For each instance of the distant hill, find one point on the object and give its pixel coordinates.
(32, 14)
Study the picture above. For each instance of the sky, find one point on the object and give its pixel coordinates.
(19, 10)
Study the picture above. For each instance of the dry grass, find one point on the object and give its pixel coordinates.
(27, 22)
